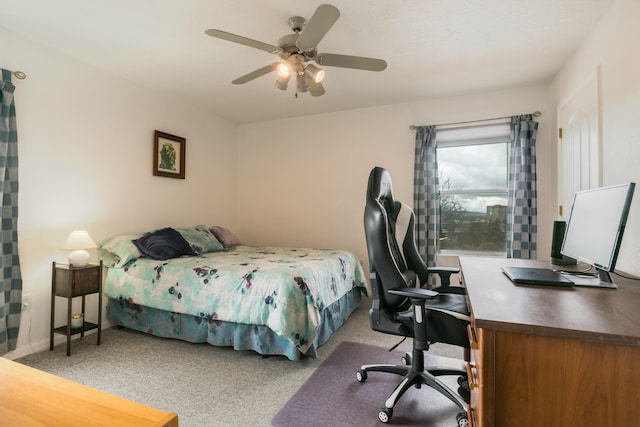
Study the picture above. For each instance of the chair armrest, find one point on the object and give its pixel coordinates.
(420, 293)
(418, 298)
(444, 273)
(438, 270)
(451, 290)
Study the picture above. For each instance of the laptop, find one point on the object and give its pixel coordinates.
(536, 276)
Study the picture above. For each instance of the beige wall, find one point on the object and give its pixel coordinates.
(302, 181)
(612, 47)
(85, 146)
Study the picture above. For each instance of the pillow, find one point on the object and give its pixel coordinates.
(119, 250)
(226, 237)
(201, 239)
(163, 244)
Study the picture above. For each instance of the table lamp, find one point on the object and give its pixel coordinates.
(78, 242)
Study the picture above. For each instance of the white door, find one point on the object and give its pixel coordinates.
(579, 155)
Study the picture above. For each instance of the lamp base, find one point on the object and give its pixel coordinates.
(79, 258)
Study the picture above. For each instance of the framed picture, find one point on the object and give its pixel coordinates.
(168, 155)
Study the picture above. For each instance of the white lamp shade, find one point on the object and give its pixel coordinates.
(77, 242)
(79, 239)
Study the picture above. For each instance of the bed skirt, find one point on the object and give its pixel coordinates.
(240, 336)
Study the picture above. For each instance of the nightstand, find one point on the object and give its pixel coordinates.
(69, 282)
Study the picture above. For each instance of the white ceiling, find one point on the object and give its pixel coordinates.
(433, 48)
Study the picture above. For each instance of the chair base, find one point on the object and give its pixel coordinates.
(414, 375)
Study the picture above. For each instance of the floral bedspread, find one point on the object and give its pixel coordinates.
(282, 288)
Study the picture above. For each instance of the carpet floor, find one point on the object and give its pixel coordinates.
(211, 386)
(333, 397)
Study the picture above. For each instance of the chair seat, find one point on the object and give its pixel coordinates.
(450, 302)
(441, 325)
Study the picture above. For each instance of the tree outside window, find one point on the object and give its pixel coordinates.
(473, 197)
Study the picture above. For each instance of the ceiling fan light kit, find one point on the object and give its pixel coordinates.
(297, 49)
(283, 82)
(317, 74)
(283, 70)
(302, 84)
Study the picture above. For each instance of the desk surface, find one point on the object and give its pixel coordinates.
(29, 397)
(601, 315)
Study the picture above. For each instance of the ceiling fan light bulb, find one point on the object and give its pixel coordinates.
(283, 70)
(319, 76)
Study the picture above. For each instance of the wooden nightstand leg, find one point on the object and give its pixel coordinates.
(83, 317)
(53, 304)
(99, 316)
(100, 303)
(70, 300)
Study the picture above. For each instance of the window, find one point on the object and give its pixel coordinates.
(473, 173)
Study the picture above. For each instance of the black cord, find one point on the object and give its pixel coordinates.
(396, 346)
(625, 276)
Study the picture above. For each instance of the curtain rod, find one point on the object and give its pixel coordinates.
(18, 74)
(534, 114)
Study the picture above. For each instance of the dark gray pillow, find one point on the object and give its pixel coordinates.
(163, 244)
(225, 236)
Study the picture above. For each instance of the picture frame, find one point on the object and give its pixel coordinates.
(169, 155)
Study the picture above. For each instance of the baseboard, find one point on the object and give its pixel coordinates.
(44, 344)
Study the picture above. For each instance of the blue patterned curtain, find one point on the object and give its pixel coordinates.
(522, 207)
(425, 193)
(11, 285)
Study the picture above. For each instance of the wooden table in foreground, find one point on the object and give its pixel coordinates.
(29, 397)
(545, 356)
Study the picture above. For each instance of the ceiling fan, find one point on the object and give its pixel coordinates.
(297, 49)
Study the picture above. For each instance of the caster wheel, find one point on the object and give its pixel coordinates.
(385, 414)
(463, 381)
(361, 376)
(464, 390)
(406, 359)
(464, 394)
(462, 419)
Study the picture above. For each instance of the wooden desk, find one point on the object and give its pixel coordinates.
(29, 397)
(546, 356)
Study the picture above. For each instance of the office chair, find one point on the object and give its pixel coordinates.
(401, 307)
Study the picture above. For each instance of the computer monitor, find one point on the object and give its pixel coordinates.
(596, 225)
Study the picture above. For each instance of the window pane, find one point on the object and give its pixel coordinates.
(473, 167)
(473, 223)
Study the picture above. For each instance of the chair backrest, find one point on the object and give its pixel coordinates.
(389, 230)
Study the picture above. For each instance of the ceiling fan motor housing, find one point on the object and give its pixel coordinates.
(297, 23)
(287, 45)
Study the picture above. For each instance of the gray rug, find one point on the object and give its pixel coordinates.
(333, 397)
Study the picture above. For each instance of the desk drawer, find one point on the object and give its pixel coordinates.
(476, 372)
(474, 361)
(474, 343)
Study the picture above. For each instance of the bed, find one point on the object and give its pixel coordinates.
(273, 300)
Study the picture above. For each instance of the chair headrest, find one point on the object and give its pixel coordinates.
(379, 187)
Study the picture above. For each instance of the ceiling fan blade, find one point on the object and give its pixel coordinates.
(315, 89)
(348, 61)
(320, 23)
(255, 74)
(219, 34)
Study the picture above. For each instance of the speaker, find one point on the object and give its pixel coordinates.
(557, 258)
